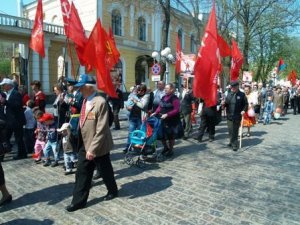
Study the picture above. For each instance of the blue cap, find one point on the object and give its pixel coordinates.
(85, 79)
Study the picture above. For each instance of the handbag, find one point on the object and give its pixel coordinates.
(251, 112)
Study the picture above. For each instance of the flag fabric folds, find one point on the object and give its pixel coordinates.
(98, 53)
(37, 34)
(281, 65)
(208, 64)
(178, 56)
(224, 47)
(65, 11)
(236, 61)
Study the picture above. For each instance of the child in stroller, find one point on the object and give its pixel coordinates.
(143, 143)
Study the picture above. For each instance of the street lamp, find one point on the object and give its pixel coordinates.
(166, 57)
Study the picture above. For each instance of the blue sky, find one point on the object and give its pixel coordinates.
(10, 6)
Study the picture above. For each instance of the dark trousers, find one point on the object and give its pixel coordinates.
(84, 175)
(233, 128)
(29, 140)
(2, 180)
(116, 111)
(18, 132)
(207, 122)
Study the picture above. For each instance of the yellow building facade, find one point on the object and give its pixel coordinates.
(138, 27)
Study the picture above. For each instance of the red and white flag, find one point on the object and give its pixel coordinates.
(37, 34)
(208, 63)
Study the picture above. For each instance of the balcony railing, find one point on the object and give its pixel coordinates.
(13, 21)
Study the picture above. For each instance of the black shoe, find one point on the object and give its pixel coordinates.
(54, 164)
(47, 163)
(185, 138)
(229, 145)
(234, 149)
(211, 139)
(117, 128)
(109, 196)
(68, 172)
(169, 153)
(125, 150)
(6, 201)
(166, 149)
(72, 208)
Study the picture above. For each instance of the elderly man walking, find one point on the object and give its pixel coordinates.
(236, 105)
(95, 143)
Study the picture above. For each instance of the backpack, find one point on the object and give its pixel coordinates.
(110, 115)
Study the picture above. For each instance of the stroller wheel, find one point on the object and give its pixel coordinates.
(128, 160)
(140, 163)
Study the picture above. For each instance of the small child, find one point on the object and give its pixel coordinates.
(70, 156)
(268, 110)
(49, 122)
(29, 127)
(40, 134)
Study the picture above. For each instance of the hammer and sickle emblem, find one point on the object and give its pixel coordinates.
(108, 47)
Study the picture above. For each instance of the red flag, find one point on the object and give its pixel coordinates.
(208, 63)
(113, 55)
(178, 56)
(223, 47)
(75, 32)
(293, 77)
(95, 54)
(66, 12)
(37, 34)
(236, 61)
(281, 65)
(111, 35)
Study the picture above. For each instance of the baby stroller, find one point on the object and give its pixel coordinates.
(143, 143)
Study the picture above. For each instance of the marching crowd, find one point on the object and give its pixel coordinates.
(79, 127)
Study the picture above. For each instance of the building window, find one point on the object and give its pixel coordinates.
(116, 22)
(180, 37)
(193, 44)
(142, 29)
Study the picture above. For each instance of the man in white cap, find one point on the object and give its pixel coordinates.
(15, 118)
(95, 143)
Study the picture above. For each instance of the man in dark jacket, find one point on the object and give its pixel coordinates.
(236, 105)
(117, 104)
(14, 115)
(186, 101)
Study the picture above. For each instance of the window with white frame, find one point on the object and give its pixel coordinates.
(116, 22)
(142, 29)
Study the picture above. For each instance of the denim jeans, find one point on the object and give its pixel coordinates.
(134, 124)
(69, 159)
(51, 146)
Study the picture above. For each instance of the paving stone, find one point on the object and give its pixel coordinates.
(203, 183)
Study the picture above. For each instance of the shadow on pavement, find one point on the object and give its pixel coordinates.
(52, 195)
(143, 187)
(29, 222)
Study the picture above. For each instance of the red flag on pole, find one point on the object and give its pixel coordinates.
(113, 55)
(95, 54)
(178, 55)
(37, 34)
(75, 32)
(208, 63)
(223, 47)
(236, 61)
(66, 11)
(293, 77)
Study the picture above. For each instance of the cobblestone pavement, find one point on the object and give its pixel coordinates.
(206, 184)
